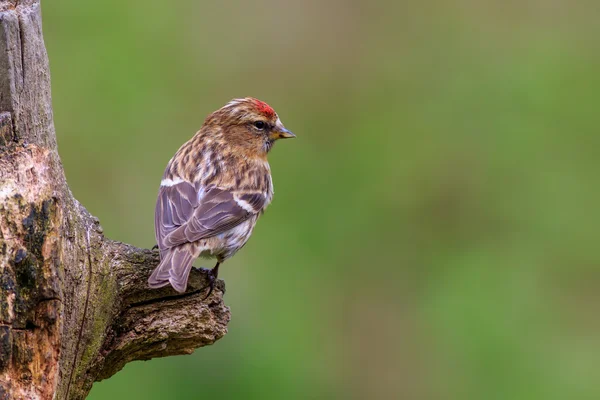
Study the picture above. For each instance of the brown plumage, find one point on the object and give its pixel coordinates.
(214, 189)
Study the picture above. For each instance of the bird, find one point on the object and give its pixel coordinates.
(214, 189)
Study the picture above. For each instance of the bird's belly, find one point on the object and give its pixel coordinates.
(228, 243)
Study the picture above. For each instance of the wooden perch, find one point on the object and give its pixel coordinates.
(74, 306)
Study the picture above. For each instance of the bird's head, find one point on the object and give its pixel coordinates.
(249, 125)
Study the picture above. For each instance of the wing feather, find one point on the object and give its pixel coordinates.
(184, 216)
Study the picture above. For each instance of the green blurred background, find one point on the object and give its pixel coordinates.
(434, 233)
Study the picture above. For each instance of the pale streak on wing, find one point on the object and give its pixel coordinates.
(252, 202)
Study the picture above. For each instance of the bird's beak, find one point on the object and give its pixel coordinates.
(280, 132)
(284, 134)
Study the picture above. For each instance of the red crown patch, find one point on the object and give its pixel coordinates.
(264, 108)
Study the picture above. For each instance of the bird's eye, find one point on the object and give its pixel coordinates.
(259, 125)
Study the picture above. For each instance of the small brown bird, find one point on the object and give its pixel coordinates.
(214, 189)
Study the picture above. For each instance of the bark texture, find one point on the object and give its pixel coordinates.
(74, 306)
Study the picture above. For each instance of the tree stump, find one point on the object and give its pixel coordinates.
(74, 306)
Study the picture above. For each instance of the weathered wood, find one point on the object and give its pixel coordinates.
(74, 306)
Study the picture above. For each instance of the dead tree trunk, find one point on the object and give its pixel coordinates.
(74, 307)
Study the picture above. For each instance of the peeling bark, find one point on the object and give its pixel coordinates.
(74, 306)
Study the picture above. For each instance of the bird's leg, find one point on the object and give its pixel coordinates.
(212, 277)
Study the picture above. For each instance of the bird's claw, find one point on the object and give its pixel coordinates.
(212, 280)
(211, 285)
(155, 247)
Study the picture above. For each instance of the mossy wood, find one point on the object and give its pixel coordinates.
(74, 307)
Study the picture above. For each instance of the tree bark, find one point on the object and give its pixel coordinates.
(74, 306)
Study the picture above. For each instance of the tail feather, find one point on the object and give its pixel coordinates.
(183, 257)
(160, 275)
(174, 268)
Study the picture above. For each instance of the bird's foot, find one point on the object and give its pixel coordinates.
(212, 280)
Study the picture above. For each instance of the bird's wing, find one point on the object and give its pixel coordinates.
(184, 214)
